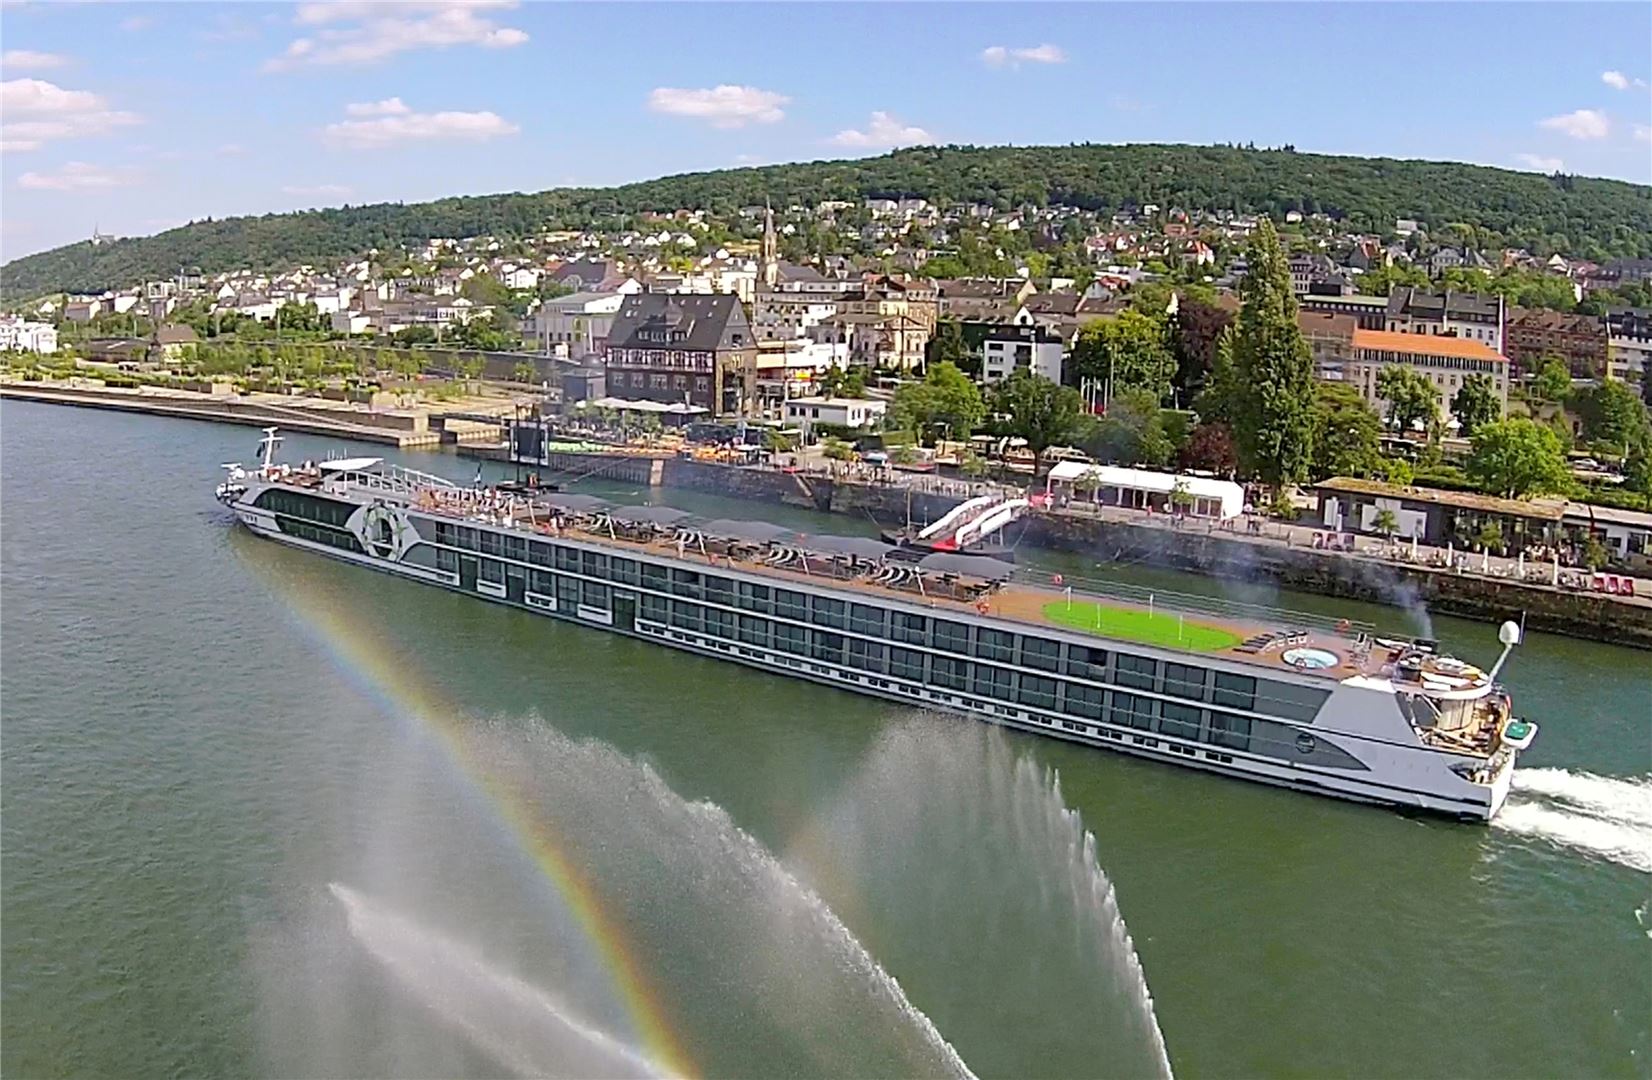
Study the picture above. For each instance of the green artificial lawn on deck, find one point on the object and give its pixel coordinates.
(1133, 624)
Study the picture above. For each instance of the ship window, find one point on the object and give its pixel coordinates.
(1290, 701)
(1179, 720)
(567, 558)
(447, 560)
(1087, 662)
(1041, 654)
(542, 582)
(444, 532)
(593, 564)
(864, 619)
(755, 597)
(567, 591)
(720, 623)
(828, 612)
(655, 577)
(948, 672)
(909, 627)
(492, 543)
(466, 537)
(1133, 710)
(593, 594)
(719, 590)
(540, 554)
(790, 604)
(866, 655)
(625, 570)
(1229, 730)
(685, 616)
(653, 608)
(1136, 671)
(754, 631)
(826, 646)
(492, 571)
(1234, 691)
(788, 638)
(685, 583)
(516, 547)
(906, 664)
(1184, 680)
(993, 681)
(1084, 700)
(994, 644)
(952, 636)
(1038, 691)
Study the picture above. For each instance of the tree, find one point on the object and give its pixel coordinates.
(1032, 407)
(1613, 413)
(1273, 412)
(1385, 522)
(1210, 448)
(1198, 328)
(1131, 351)
(946, 399)
(1411, 398)
(1489, 536)
(1347, 433)
(1475, 404)
(947, 345)
(1517, 458)
(1132, 432)
(837, 383)
(1552, 380)
(1180, 497)
(523, 372)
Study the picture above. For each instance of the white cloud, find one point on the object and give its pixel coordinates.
(1540, 163)
(78, 176)
(883, 132)
(367, 31)
(231, 149)
(1581, 124)
(1617, 80)
(1642, 133)
(19, 60)
(1005, 56)
(34, 112)
(134, 23)
(725, 106)
(319, 191)
(391, 122)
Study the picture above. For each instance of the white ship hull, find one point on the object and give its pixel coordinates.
(1391, 772)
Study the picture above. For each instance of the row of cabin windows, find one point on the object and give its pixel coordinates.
(1219, 688)
(306, 507)
(319, 534)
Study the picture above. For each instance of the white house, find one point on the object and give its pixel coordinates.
(844, 412)
(577, 324)
(18, 335)
(351, 322)
(1011, 347)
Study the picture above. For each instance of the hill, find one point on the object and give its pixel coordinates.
(1575, 215)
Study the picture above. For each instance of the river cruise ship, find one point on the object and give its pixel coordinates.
(1293, 700)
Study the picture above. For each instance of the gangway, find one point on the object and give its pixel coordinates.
(956, 514)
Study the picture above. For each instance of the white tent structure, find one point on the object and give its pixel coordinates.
(1116, 485)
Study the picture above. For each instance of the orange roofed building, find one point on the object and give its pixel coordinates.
(1445, 361)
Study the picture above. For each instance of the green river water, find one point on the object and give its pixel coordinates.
(264, 813)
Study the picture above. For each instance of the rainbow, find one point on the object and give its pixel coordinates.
(357, 653)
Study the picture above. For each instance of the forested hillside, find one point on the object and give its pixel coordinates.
(1574, 215)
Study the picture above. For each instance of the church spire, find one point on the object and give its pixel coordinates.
(771, 248)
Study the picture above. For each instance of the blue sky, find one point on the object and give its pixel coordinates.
(138, 117)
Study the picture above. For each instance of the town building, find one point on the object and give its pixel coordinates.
(1006, 348)
(1330, 342)
(852, 413)
(1368, 312)
(576, 325)
(1433, 516)
(1580, 340)
(20, 335)
(1629, 343)
(674, 347)
(1444, 361)
(1453, 314)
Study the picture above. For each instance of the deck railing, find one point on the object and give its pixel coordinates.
(1192, 604)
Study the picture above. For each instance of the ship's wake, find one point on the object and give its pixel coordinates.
(1606, 816)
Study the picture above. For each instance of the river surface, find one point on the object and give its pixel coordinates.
(265, 813)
